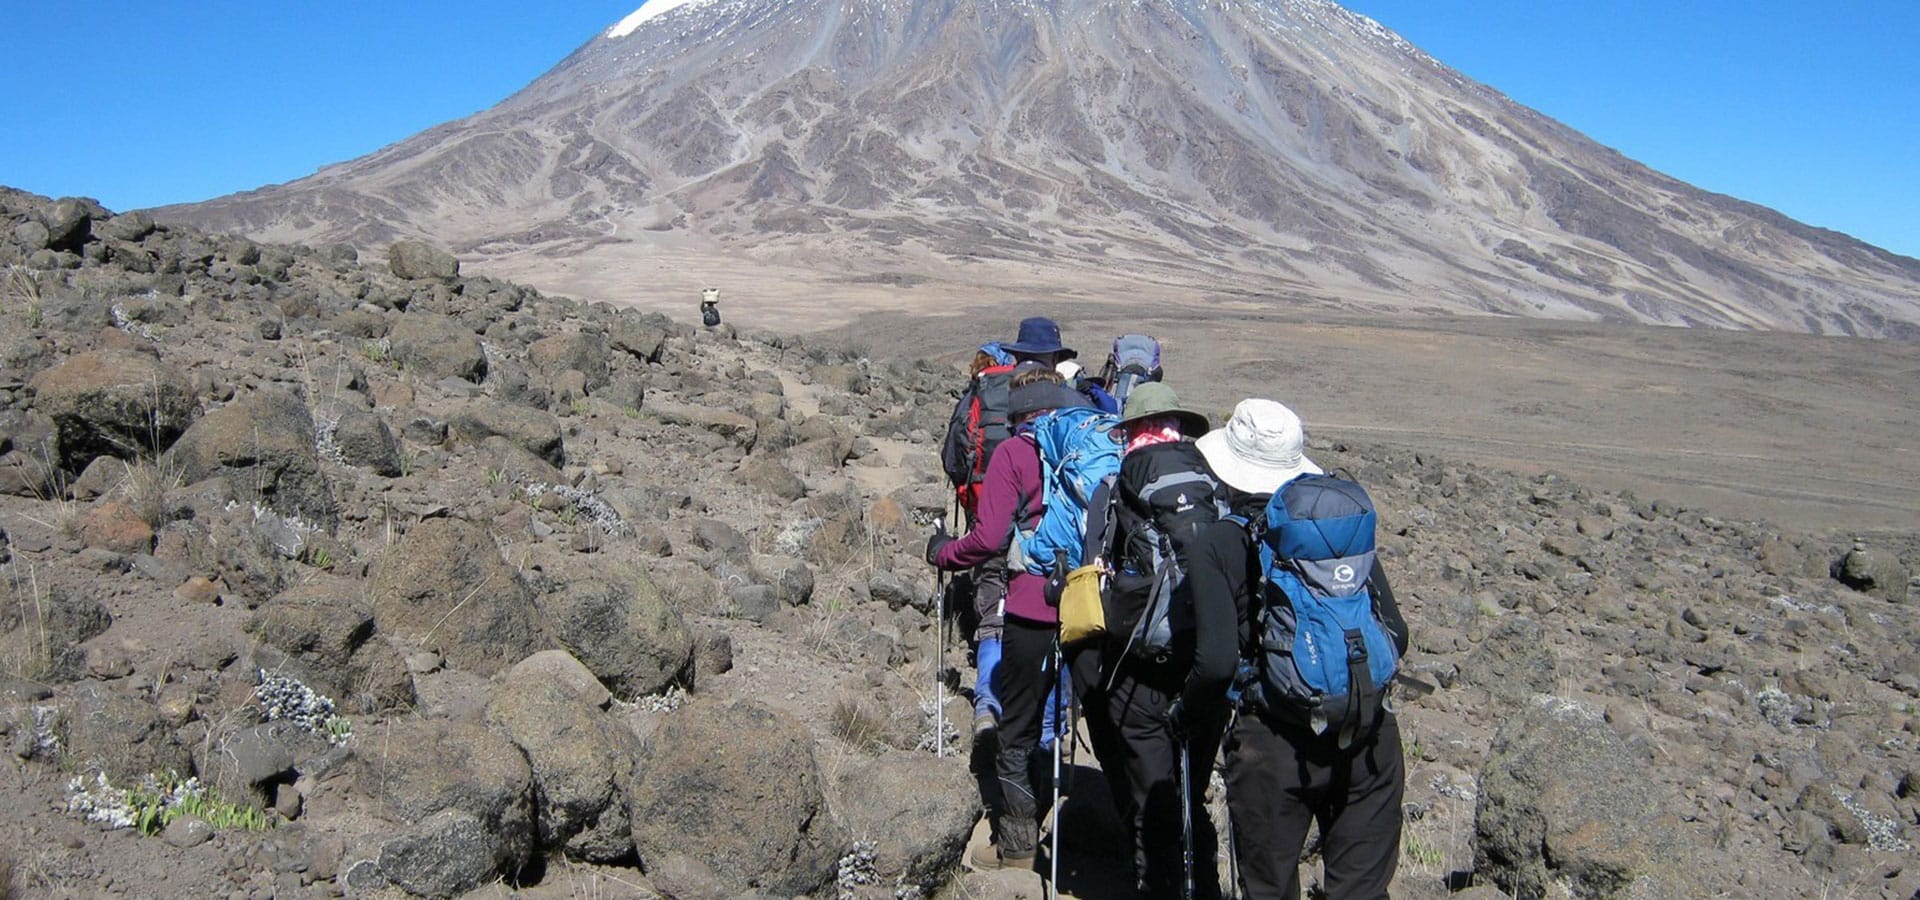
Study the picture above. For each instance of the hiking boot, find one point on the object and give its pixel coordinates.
(988, 857)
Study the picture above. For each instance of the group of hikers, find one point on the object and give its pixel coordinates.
(1187, 593)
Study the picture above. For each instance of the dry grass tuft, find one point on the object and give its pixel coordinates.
(859, 725)
(146, 485)
(26, 645)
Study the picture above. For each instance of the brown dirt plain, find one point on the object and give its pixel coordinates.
(1813, 433)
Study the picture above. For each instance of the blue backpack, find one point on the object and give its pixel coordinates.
(1325, 658)
(1079, 449)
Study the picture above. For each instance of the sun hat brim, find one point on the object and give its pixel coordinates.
(1248, 475)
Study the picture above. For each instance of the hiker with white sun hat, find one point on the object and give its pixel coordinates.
(1262, 447)
(1283, 771)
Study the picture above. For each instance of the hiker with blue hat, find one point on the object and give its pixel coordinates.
(977, 427)
(1039, 340)
(1011, 504)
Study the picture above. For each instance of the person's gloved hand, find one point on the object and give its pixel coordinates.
(1177, 717)
(939, 538)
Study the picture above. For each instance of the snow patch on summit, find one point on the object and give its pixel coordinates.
(648, 10)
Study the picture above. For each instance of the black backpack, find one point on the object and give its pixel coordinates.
(1159, 504)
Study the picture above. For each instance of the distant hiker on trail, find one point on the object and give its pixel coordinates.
(978, 424)
(1181, 585)
(1134, 360)
(1297, 755)
(710, 307)
(1009, 504)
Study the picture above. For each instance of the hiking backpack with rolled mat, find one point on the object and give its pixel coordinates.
(1325, 656)
(1135, 358)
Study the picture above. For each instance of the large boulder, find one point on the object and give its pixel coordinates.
(735, 790)
(417, 260)
(1873, 571)
(366, 441)
(917, 810)
(124, 736)
(640, 337)
(263, 445)
(624, 629)
(582, 758)
(435, 347)
(40, 636)
(464, 797)
(320, 622)
(739, 429)
(443, 586)
(1565, 804)
(115, 403)
(582, 352)
(69, 222)
(244, 764)
(29, 453)
(529, 429)
(322, 632)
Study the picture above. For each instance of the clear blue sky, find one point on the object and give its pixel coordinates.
(1810, 108)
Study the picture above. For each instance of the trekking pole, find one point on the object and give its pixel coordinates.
(1059, 798)
(940, 656)
(1233, 852)
(1186, 818)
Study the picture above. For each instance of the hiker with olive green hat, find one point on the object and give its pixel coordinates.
(1179, 586)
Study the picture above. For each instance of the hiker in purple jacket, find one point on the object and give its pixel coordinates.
(1011, 504)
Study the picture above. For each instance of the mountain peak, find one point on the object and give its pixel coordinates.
(1276, 151)
(649, 10)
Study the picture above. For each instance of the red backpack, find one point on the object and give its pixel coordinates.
(978, 424)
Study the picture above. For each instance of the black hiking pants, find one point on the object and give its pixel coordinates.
(1148, 753)
(1281, 778)
(1022, 681)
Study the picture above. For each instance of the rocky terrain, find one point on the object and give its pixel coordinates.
(1286, 154)
(434, 584)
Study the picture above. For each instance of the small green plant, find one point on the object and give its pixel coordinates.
(496, 476)
(376, 351)
(1423, 853)
(320, 558)
(158, 802)
(339, 730)
(568, 515)
(631, 411)
(579, 406)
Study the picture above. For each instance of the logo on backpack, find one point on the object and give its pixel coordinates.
(1324, 658)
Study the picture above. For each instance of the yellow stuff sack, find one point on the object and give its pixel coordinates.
(1083, 612)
